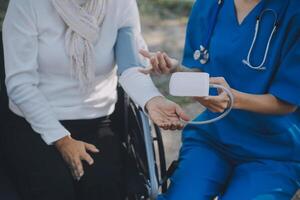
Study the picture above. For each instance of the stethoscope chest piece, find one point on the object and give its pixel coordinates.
(202, 55)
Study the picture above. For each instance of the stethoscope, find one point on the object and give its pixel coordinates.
(202, 54)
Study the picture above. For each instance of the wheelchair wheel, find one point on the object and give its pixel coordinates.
(144, 149)
(162, 157)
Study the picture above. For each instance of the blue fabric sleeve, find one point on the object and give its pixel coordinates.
(127, 50)
(286, 83)
(192, 41)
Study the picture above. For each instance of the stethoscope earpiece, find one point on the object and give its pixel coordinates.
(247, 61)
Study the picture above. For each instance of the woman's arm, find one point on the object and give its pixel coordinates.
(20, 38)
(20, 41)
(139, 86)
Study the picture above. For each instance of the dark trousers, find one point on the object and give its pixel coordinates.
(42, 174)
(7, 189)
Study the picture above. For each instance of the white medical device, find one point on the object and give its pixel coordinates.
(196, 84)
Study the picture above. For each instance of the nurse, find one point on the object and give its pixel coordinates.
(253, 48)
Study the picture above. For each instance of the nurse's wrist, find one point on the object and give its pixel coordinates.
(239, 99)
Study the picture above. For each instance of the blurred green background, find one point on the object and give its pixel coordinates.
(157, 8)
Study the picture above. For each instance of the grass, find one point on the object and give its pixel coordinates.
(165, 8)
(161, 8)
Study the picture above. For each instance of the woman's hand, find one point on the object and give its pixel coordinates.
(74, 152)
(161, 63)
(220, 103)
(166, 114)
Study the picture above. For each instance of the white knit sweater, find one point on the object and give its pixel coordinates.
(39, 79)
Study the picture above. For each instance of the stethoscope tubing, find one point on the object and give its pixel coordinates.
(247, 61)
(261, 65)
(224, 114)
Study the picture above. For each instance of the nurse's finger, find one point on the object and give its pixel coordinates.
(162, 63)
(219, 81)
(154, 62)
(147, 70)
(146, 53)
(200, 99)
(222, 98)
(168, 61)
(215, 109)
(220, 105)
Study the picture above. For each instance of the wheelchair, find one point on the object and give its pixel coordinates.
(144, 156)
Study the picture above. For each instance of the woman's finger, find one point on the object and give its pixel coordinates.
(173, 127)
(177, 125)
(73, 172)
(165, 127)
(86, 157)
(77, 168)
(91, 148)
(181, 114)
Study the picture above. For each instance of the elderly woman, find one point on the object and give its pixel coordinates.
(61, 79)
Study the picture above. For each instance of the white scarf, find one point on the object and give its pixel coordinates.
(84, 25)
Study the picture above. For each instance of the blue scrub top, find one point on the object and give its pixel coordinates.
(242, 133)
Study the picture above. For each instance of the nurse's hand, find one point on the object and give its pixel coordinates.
(166, 114)
(161, 63)
(220, 103)
(74, 152)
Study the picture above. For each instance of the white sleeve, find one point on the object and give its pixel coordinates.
(138, 86)
(20, 38)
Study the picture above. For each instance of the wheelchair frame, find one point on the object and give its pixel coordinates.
(149, 137)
